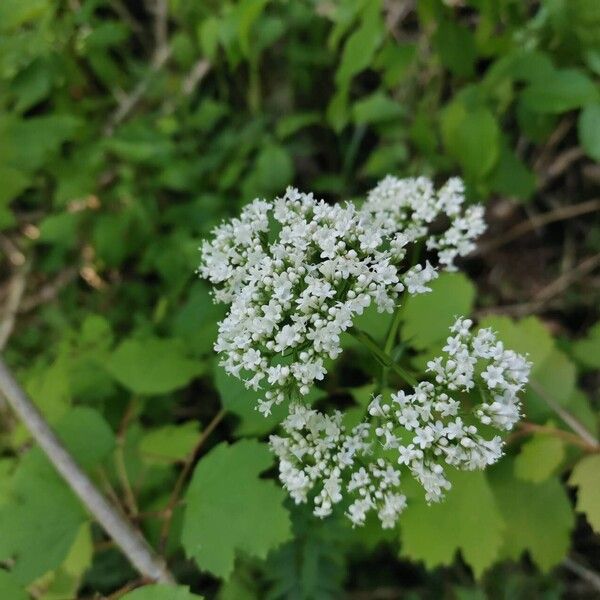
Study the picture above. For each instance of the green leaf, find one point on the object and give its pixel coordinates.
(15, 13)
(249, 12)
(170, 443)
(361, 45)
(229, 508)
(152, 366)
(587, 349)
(562, 91)
(558, 376)
(539, 458)
(456, 48)
(10, 587)
(467, 520)
(538, 517)
(161, 591)
(28, 143)
(427, 317)
(14, 181)
(527, 336)
(589, 130)
(41, 520)
(511, 177)
(376, 108)
(472, 136)
(586, 476)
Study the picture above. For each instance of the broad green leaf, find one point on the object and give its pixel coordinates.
(242, 402)
(553, 379)
(161, 591)
(467, 520)
(170, 443)
(562, 91)
(28, 143)
(385, 159)
(14, 181)
(395, 61)
(375, 108)
(10, 587)
(230, 509)
(511, 177)
(472, 136)
(152, 366)
(15, 13)
(527, 336)
(42, 518)
(456, 47)
(587, 349)
(586, 476)
(427, 317)
(538, 517)
(589, 130)
(65, 581)
(539, 458)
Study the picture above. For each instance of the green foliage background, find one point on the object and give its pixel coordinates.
(129, 129)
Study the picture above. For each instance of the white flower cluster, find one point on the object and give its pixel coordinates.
(405, 209)
(475, 386)
(296, 271)
(439, 423)
(319, 455)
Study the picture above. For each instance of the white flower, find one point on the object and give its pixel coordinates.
(422, 430)
(296, 271)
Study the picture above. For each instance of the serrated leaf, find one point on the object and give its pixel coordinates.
(539, 458)
(427, 317)
(161, 591)
(467, 520)
(538, 517)
(152, 366)
(586, 476)
(229, 508)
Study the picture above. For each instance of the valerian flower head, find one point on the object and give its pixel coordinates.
(296, 271)
(450, 422)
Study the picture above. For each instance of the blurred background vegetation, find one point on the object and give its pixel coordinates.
(128, 129)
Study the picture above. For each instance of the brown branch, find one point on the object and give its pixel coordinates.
(560, 214)
(547, 294)
(16, 290)
(571, 438)
(48, 292)
(183, 475)
(574, 424)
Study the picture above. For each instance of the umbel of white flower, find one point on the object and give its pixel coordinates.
(450, 422)
(296, 271)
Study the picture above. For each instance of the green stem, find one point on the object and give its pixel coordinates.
(390, 342)
(366, 340)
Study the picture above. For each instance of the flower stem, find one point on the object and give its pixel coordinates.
(367, 341)
(390, 341)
